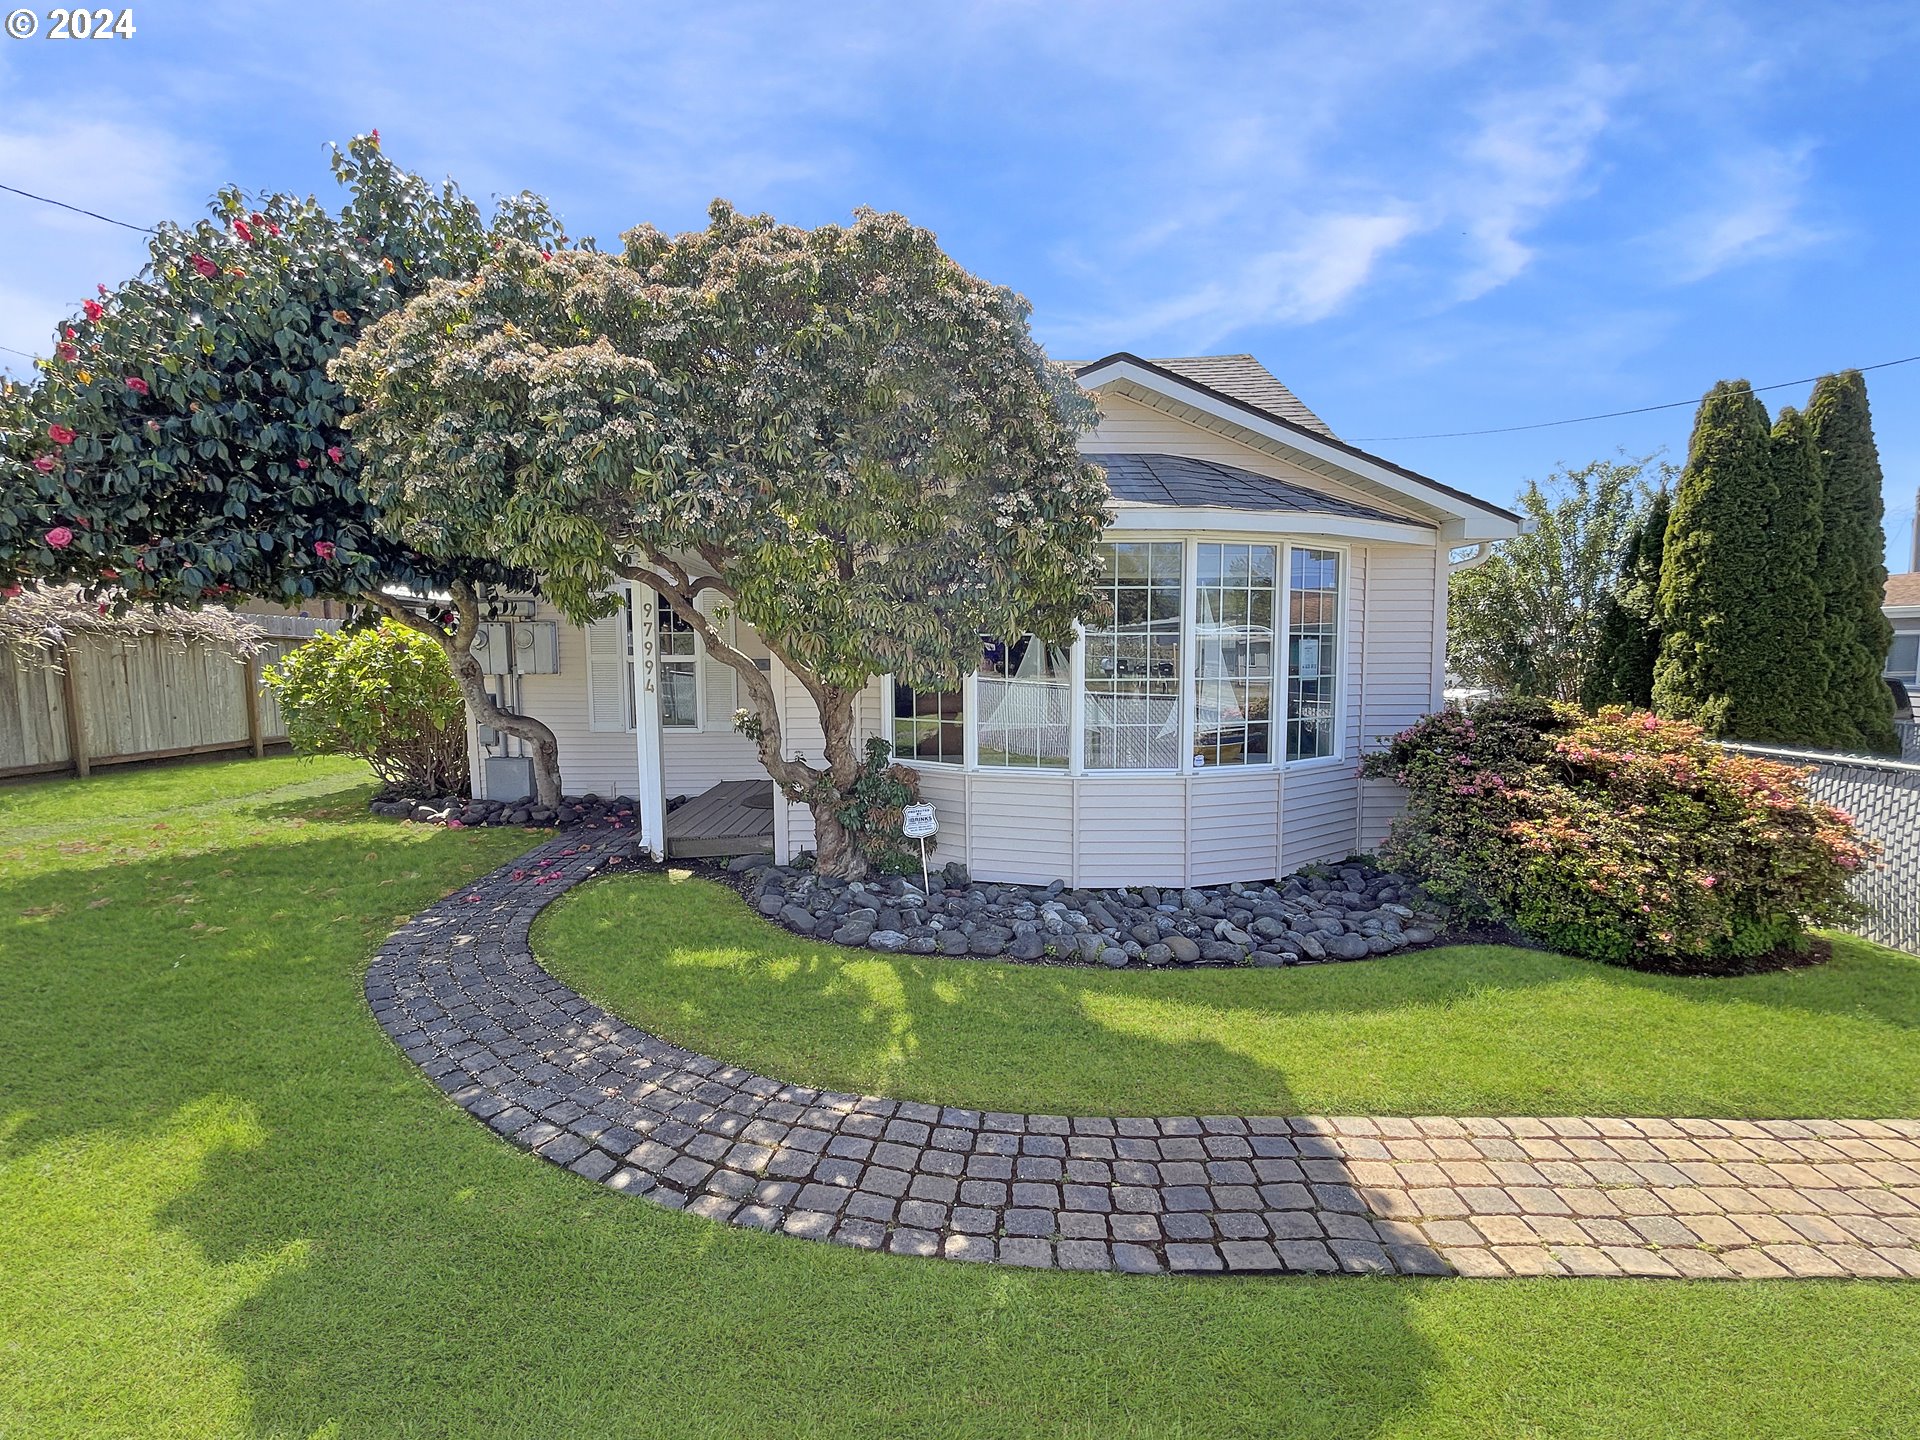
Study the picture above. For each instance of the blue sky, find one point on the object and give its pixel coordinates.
(1422, 217)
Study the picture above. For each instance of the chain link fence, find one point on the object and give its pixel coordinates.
(1883, 797)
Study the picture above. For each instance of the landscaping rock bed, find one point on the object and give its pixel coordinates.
(1345, 912)
(575, 812)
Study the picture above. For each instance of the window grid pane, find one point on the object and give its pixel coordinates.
(1133, 661)
(679, 669)
(1025, 698)
(929, 726)
(1233, 668)
(1313, 680)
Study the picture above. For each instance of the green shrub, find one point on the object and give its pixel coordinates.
(1620, 837)
(383, 694)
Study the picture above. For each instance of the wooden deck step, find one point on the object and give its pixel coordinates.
(735, 817)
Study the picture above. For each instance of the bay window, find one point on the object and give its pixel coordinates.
(1132, 660)
(1261, 685)
(1313, 654)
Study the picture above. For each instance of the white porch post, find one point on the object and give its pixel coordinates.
(646, 719)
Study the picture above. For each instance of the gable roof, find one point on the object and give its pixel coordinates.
(1185, 482)
(1903, 589)
(1313, 448)
(1245, 378)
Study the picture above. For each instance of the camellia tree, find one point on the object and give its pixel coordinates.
(184, 443)
(852, 442)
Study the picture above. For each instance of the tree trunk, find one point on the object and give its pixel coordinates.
(472, 681)
(835, 848)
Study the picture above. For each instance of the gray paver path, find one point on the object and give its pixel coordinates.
(458, 989)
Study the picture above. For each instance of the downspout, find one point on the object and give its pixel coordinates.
(1482, 553)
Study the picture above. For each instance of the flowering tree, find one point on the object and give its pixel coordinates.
(852, 442)
(185, 444)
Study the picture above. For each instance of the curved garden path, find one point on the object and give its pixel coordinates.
(459, 991)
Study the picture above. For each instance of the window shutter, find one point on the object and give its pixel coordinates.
(609, 675)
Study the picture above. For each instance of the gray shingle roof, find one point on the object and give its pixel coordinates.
(1245, 378)
(1180, 480)
(1242, 378)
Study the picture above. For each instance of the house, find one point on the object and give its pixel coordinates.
(1903, 609)
(1278, 605)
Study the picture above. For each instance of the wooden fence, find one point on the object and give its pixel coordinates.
(109, 699)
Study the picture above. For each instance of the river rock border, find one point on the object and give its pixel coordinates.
(458, 989)
(1343, 912)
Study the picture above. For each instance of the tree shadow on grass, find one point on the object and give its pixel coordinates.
(321, 1240)
(233, 1207)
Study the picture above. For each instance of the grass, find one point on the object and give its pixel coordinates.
(1471, 1029)
(229, 1207)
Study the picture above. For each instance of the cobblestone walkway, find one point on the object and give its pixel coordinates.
(458, 989)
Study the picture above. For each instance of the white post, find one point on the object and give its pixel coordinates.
(646, 719)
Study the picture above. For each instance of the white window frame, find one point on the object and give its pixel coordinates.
(697, 662)
(1076, 701)
(1342, 650)
(1277, 681)
(1908, 675)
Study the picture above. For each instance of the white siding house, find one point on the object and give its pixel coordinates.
(1279, 606)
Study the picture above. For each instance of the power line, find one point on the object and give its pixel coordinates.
(94, 214)
(1611, 414)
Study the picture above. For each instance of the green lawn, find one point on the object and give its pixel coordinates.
(228, 1206)
(1479, 1030)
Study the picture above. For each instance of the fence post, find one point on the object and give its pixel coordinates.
(76, 717)
(251, 672)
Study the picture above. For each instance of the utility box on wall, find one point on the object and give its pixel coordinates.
(536, 647)
(493, 648)
(508, 777)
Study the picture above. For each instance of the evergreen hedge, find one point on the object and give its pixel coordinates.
(1716, 652)
(1852, 567)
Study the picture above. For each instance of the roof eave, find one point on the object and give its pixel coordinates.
(1473, 518)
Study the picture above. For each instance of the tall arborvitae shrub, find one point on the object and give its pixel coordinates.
(1622, 671)
(1853, 571)
(1793, 706)
(1714, 665)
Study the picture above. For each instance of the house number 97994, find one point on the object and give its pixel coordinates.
(102, 24)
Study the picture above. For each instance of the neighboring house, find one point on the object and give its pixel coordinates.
(1279, 605)
(1903, 609)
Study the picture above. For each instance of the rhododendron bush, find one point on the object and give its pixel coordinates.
(1620, 837)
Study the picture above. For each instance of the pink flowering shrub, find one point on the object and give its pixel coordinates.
(1620, 837)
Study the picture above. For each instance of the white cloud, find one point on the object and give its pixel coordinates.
(115, 163)
(1531, 153)
(1307, 279)
(1752, 212)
